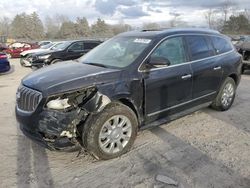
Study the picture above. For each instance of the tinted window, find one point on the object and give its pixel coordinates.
(90, 45)
(198, 47)
(171, 49)
(221, 45)
(77, 46)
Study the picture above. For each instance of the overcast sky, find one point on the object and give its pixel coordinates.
(112, 11)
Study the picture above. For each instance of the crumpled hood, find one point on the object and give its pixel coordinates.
(69, 75)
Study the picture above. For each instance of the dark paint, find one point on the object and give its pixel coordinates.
(157, 96)
(4, 63)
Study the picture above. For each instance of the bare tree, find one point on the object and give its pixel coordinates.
(174, 21)
(226, 7)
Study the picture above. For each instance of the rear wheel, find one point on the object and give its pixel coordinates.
(110, 133)
(226, 95)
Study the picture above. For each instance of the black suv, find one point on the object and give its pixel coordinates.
(131, 82)
(68, 50)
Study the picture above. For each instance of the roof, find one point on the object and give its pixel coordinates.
(165, 32)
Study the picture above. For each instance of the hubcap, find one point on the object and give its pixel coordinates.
(115, 134)
(227, 95)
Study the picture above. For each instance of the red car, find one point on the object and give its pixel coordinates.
(14, 49)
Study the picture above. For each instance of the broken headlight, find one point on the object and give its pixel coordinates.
(70, 100)
(58, 104)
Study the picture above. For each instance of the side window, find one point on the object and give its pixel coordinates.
(77, 46)
(90, 45)
(221, 45)
(198, 47)
(171, 49)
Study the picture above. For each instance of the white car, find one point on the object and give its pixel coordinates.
(25, 55)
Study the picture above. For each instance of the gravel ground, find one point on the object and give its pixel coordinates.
(204, 149)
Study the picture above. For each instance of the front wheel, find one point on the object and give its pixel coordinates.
(226, 95)
(55, 61)
(110, 133)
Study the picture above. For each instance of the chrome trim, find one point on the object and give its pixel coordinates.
(186, 76)
(217, 68)
(184, 63)
(181, 104)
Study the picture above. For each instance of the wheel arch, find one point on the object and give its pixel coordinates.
(235, 78)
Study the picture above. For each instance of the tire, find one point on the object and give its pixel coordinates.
(55, 61)
(102, 139)
(226, 95)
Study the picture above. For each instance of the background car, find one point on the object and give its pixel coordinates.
(26, 55)
(68, 50)
(14, 49)
(4, 63)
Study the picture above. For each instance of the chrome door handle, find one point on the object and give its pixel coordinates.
(217, 68)
(186, 76)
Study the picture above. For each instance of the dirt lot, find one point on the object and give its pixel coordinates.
(204, 149)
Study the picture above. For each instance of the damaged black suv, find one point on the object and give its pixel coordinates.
(131, 82)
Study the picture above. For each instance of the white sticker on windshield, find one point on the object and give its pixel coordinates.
(144, 41)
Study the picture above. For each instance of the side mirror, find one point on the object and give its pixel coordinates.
(158, 61)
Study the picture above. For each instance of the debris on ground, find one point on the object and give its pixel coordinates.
(166, 180)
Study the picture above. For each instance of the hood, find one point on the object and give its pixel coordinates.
(66, 76)
(46, 52)
(33, 51)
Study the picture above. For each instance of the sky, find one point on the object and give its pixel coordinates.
(133, 12)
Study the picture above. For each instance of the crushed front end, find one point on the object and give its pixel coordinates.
(56, 121)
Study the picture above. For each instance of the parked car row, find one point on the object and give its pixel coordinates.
(59, 51)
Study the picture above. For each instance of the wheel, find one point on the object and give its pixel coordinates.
(111, 132)
(226, 95)
(55, 61)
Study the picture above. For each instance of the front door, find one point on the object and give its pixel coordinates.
(168, 88)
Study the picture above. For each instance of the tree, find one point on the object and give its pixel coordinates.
(35, 26)
(26, 26)
(5, 26)
(237, 25)
(52, 28)
(68, 30)
(82, 27)
(150, 26)
(101, 29)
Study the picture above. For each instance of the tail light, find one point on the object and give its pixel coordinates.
(3, 56)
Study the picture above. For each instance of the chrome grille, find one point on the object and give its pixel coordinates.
(28, 99)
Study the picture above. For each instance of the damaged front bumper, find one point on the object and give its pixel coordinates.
(60, 130)
(52, 129)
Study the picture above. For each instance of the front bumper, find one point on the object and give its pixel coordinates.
(25, 62)
(50, 129)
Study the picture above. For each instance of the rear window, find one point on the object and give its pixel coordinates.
(198, 47)
(221, 45)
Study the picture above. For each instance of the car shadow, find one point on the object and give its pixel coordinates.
(189, 165)
(32, 165)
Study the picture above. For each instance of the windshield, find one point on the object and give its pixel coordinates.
(117, 52)
(62, 46)
(56, 45)
(47, 46)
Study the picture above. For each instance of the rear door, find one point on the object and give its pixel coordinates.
(89, 46)
(207, 70)
(74, 51)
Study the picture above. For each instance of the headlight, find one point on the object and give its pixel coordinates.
(58, 104)
(44, 57)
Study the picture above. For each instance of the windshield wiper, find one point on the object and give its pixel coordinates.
(97, 64)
